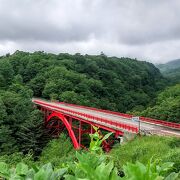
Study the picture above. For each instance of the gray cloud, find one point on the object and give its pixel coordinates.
(149, 30)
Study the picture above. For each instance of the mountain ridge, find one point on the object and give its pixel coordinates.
(173, 64)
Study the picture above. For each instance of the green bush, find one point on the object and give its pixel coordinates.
(15, 158)
(22, 172)
(173, 156)
(89, 166)
(58, 151)
(94, 165)
(144, 148)
(167, 106)
(150, 171)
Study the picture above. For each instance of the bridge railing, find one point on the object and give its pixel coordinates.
(160, 122)
(145, 119)
(109, 122)
(106, 122)
(96, 109)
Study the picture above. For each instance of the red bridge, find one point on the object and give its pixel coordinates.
(78, 120)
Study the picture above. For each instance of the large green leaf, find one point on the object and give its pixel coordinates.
(42, 175)
(30, 174)
(106, 136)
(21, 169)
(165, 167)
(59, 173)
(139, 171)
(4, 170)
(172, 176)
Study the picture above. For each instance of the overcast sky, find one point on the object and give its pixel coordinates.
(143, 29)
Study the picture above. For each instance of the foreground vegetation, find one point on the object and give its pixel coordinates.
(89, 166)
(124, 162)
(164, 149)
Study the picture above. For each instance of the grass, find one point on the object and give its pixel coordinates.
(144, 148)
(58, 151)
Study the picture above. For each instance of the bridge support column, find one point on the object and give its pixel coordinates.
(70, 121)
(80, 133)
(44, 114)
(91, 129)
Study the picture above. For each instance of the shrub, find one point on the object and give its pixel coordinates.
(144, 148)
(15, 158)
(58, 151)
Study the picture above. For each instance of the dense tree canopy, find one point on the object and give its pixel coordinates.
(20, 125)
(167, 105)
(171, 70)
(107, 82)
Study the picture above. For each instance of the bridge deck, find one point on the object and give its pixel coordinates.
(114, 118)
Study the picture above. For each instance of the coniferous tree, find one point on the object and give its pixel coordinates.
(32, 134)
(8, 144)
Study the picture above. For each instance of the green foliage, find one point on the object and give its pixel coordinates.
(58, 151)
(17, 157)
(22, 171)
(91, 166)
(144, 148)
(6, 73)
(32, 135)
(20, 125)
(151, 171)
(173, 156)
(88, 165)
(3, 113)
(171, 70)
(8, 143)
(169, 65)
(118, 84)
(99, 81)
(173, 75)
(96, 141)
(167, 105)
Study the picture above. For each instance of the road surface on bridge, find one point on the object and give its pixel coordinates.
(144, 126)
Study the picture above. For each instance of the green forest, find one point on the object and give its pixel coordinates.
(118, 84)
(171, 70)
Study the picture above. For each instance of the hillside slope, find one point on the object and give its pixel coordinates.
(171, 70)
(119, 84)
(167, 105)
(174, 64)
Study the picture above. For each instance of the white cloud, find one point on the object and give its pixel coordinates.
(148, 30)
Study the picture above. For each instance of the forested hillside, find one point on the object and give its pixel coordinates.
(172, 75)
(112, 83)
(171, 70)
(167, 105)
(173, 64)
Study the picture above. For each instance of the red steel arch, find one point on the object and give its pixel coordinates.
(68, 126)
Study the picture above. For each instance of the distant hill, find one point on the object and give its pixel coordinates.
(174, 64)
(171, 70)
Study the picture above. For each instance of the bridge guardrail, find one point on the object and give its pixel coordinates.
(131, 128)
(145, 119)
(160, 122)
